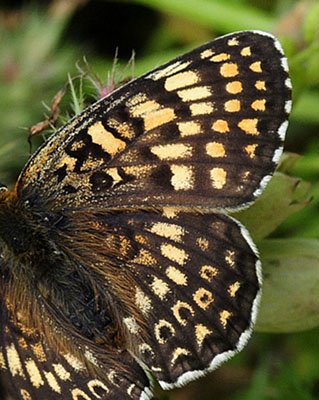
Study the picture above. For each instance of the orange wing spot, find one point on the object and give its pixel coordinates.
(234, 87)
(249, 126)
(224, 316)
(250, 149)
(215, 149)
(158, 118)
(176, 311)
(201, 331)
(229, 70)
(218, 177)
(232, 105)
(233, 288)
(159, 287)
(220, 126)
(260, 85)
(256, 66)
(259, 105)
(203, 298)
(246, 51)
(220, 57)
(208, 272)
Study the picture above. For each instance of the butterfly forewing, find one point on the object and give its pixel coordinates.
(204, 130)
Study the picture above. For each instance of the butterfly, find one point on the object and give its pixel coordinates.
(118, 259)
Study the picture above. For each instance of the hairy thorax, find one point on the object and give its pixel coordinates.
(57, 286)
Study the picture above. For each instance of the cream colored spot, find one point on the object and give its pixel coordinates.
(259, 105)
(159, 287)
(142, 301)
(105, 139)
(14, 363)
(169, 231)
(229, 70)
(34, 374)
(256, 66)
(53, 383)
(123, 128)
(25, 395)
(220, 57)
(224, 316)
(146, 348)
(169, 70)
(73, 362)
(208, 272)
(179, 351)
(195, 93)
(203, 298)
(234, 87)
(202, 243)
(201, 108)
(183, 177)
(61, 372)
(215, 149)
(189, 128)
(147, 107)
(246, 51)
(158, 118)
(250, 149)
(131, 325)
(221, 126)
(2, 362)
(230, 257)
(176, 276)
(218, 177)
(113, 172)
(95, 383)
(172, 151)
(201, 331)
(181, 80)
(232, 105)
(78, 394)
(162, 323)
(260, 85)
(173, 253)
(144, 257)
(233, 288)
(206, 53)
(233, 42)
(170, 212)
(249, 126)
(177, 308)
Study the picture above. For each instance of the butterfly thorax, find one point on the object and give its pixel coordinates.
(56, 290)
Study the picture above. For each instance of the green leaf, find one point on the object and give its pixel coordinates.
(290, 301)
(283, 196)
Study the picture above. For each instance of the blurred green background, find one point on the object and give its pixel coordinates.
(42, 41)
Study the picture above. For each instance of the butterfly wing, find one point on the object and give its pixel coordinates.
(29, 369)
(205, 129)
(196, 286)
